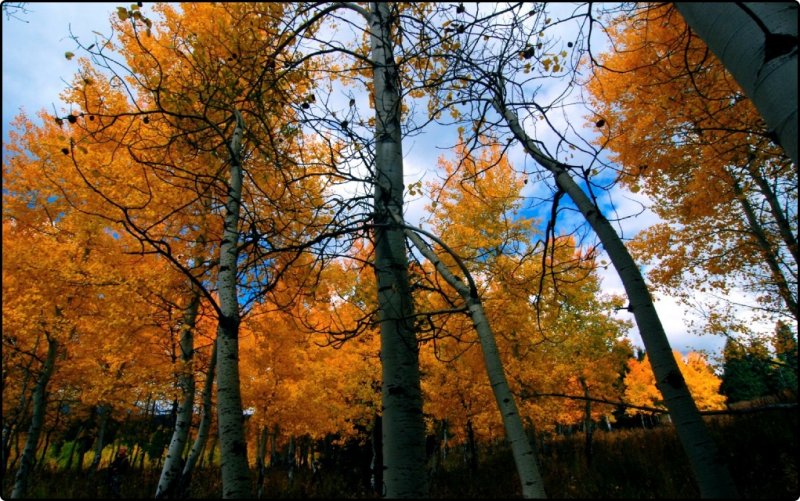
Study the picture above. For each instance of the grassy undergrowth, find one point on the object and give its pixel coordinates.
(761, 450)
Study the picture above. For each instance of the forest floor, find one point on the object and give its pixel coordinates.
(761, 450)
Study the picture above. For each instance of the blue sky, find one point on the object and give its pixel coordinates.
(34, 66)
(35, 71)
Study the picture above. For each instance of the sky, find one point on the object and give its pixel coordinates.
(35, 71)
(34, 67)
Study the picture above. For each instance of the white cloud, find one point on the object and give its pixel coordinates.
(35, 70)
(675, 318)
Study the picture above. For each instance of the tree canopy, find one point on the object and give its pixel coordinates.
(215, 228)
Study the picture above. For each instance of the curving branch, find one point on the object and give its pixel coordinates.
(527, 467)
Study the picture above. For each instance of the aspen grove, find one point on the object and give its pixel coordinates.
(359, 250)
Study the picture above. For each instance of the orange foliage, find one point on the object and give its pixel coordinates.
(682, 131)
(640, 384)
(552, 330)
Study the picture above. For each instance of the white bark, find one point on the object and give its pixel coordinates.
(199, 444)
(524, 457)
(37, 420)
(233, 447)
(712, 475)
(171, 471)
(764, 64)
(403, 425)
(205, 421)
(768, 251)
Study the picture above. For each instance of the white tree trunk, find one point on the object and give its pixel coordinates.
(524, 457)
(403, 425)
(233, 447)
(768, 251)
(171, 471)
(37, 420)
(205, 421)
(712, 475)
(757, 43)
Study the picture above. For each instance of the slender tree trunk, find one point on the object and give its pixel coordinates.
(261, 466)
(472, 452)
(587, 422)
(16, 452)
(273, 446)
(138, 450)
(9, 433)
(141, 458)
(102, 417)
(68, 466)
(767, 250)
(233, 447)
(757, 43)
(304, 452)
(45, 445)
(195, 453)
(211, 450)
(39, 408)
(171, 472)
(403, 424)
(43, 457)
(205, 423)
(524, 457)
(711, 473)
(11, 427)
(290, 459)
(444, 441)
(784, 227)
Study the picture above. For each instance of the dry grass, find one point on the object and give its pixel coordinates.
(761, 450)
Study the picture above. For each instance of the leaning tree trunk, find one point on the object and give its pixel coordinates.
(588, 426)
(233, 447)
(211, 453)
(768, 251)
(757, 43)
(171, 471)
(403, 425)
(72, 448)
(785, 229)
(11, 425)
(524, 457)
(205, 423)
(39, 407)
(103, 412)
(711, 473)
